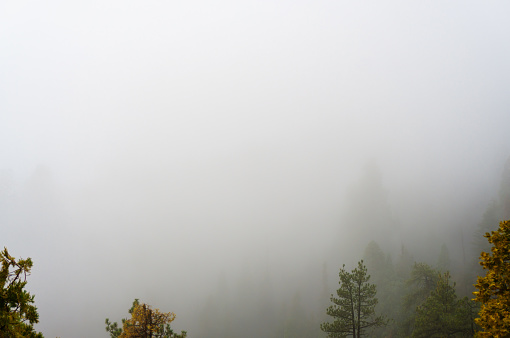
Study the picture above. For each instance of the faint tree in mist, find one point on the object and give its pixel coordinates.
(368, 214)
(443, 261)
(497, 211)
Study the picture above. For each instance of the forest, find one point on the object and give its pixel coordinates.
(236, 169)
(384, 296)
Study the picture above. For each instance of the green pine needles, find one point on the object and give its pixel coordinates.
(354, 309)
(17, 312)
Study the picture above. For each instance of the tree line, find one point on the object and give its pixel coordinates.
(429, 305)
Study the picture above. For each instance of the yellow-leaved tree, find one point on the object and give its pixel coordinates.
(145, 322)
(494, 289)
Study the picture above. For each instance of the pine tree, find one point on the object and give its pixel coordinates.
(354, 309)
(382, 274)
(420, 284)
(443, 260)
(443, 314)
(17, 312)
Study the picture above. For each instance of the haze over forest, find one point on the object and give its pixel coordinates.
(226, 156)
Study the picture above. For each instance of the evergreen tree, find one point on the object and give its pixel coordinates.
(443, 314)
(17, 312)
(369, 211)
(382, 274)
(419, 285)
(354, 309)
(497, 210)
(490, 218)
(404, 264)
(443, 261)
(374, 259)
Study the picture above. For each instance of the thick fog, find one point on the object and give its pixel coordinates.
(186, 153)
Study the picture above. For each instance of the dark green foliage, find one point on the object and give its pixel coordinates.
(17, 312)
(420, 302)
(420, 283)
(354, 309)
(442, 314)
(113, 328)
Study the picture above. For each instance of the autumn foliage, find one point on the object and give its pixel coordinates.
(145, 322)
(494, 289)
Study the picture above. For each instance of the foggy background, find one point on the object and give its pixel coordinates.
(168, 151)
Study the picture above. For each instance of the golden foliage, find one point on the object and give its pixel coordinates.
(494, 289)
(146, 322)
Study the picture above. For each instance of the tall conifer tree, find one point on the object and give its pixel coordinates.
(354, 309)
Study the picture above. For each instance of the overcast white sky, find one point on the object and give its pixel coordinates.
(215, 125)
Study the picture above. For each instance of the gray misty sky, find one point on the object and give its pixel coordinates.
(210, 134)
